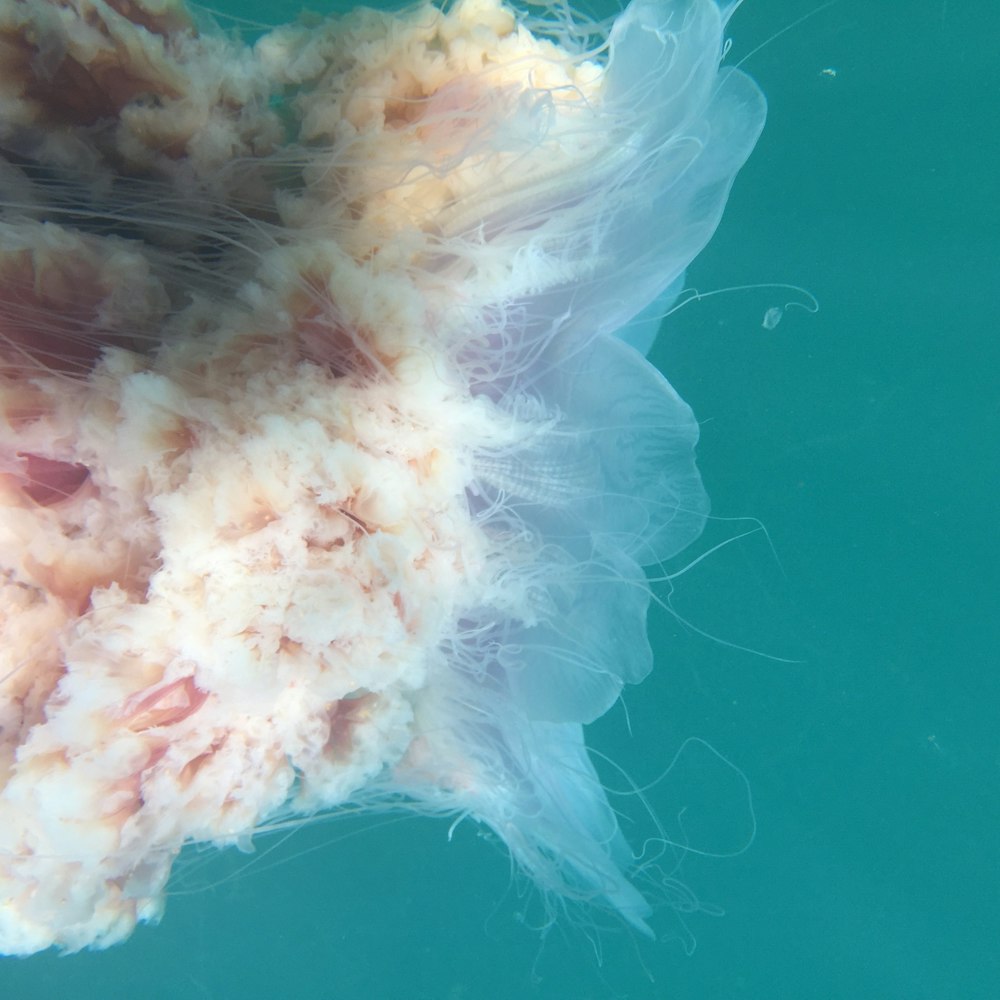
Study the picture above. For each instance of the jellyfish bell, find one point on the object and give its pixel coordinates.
(326, 477)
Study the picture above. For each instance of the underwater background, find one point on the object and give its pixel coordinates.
(864, 439)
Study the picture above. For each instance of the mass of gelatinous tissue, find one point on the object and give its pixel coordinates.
(329, 458)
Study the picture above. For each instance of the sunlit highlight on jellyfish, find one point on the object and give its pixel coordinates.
(329, 455)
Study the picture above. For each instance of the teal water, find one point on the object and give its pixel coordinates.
(864, 439)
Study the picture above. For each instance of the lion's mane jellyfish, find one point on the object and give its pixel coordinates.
(328, 460)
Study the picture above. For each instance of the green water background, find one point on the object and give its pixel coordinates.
(864, 438)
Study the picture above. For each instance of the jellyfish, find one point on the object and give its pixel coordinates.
(330, 458)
